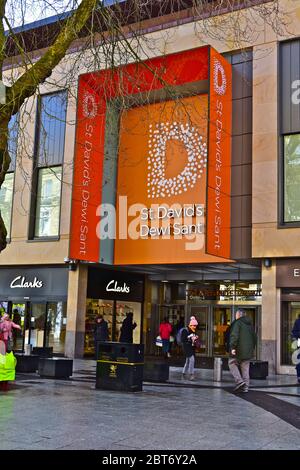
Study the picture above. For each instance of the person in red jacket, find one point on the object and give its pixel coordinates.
(165, 330)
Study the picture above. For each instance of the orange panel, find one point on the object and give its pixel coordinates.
(162, 161)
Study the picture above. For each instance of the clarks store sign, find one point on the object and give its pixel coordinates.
(22, 282)
(115, 285)
(33, 282)
(288, 273)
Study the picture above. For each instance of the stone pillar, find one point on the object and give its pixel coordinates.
(76, 308)
(269, 317)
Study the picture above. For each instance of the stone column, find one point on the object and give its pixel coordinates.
(76, 309)
(269, 317)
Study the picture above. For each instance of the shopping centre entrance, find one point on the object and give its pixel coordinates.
(213, 304)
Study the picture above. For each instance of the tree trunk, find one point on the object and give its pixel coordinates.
(4, 166)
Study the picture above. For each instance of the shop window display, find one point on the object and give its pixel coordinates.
(113, 313)
(121, 310)
(96, 307)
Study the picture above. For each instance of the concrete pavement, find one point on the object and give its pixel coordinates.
(70, 414)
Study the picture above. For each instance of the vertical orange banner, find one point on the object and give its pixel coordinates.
(219, 157)
(88, 171)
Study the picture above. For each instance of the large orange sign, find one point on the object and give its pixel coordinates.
(173, 185)
(219, 161)
(87, 178)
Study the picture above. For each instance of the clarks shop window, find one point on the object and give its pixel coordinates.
(112, 294)
(292, 178)
(114, 313)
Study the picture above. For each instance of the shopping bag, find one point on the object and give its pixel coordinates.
(10, 361)
(158, 341)
(7, 367)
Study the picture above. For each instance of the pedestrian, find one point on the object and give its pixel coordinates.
(6, 330)
(127, 328)
(296, 335)
(7, 359)
(100, 331)
(165, 330)
(188, 340)
(242, 345)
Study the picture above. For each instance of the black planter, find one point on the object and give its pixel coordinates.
(43, 352)
(156, 371)
(56, 368)
(120, 352)
(27, 363)
(259, 370)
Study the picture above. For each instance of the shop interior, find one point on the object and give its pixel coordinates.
(43, 324)
(113, 312)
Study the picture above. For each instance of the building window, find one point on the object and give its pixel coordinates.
(48, 202)
(50, 141)
(292, 178)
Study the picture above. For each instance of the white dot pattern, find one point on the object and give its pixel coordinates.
(160, 186)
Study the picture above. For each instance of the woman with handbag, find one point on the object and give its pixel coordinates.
(189, 340)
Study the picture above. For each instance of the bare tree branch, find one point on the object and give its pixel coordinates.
(2, 34)
(27, 84)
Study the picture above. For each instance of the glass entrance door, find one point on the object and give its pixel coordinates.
(37, 325)
(56, 325)
(221, 322)
(201, 314)
(18, 316)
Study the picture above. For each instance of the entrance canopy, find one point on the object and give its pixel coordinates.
(200, 272)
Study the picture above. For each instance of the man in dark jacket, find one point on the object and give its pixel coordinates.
(100, 330)
(127, 328)
(242, 345)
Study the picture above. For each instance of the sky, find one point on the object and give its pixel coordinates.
(21, 12)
